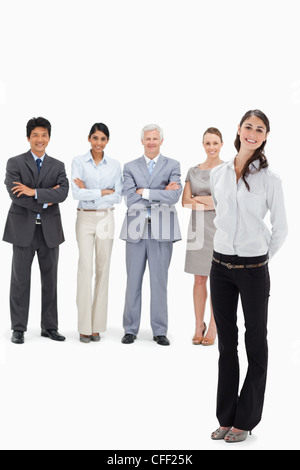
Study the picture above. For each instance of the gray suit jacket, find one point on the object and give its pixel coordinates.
(20, 224)
(164, 219)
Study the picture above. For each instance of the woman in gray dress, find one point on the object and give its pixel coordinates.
(197, 197)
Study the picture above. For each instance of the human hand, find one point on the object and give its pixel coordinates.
(173, 186)
(140, 191)
(79, 183)
(20, 189)
(106, 192)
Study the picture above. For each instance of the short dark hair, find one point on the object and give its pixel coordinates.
(38, 122)
(99, 127)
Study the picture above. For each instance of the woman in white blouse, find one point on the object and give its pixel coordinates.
(97, 185)
(244, 190)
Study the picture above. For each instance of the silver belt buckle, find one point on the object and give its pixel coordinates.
(229, 266)
(38, 221)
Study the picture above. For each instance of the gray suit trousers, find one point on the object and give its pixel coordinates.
(159, 256)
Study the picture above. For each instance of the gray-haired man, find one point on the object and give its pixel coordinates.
(152, 187)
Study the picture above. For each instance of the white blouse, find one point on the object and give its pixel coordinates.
(240, 213)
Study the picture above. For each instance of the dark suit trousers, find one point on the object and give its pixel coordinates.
(20, 282)
(242, 410)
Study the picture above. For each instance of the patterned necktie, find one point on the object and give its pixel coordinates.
(39, 164)
(151, 166)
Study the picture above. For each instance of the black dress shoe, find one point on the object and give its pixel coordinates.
(18, 337)
(162, 340)
(53, 334)
(128, 339)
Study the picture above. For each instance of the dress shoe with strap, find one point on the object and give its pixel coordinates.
(162, 340)
(235, 437)
(53, 334)
(198, 339)
(18, 337)
(220, 434)
(128, 338)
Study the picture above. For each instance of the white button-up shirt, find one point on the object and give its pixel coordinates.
(240, 213)
(106, 175)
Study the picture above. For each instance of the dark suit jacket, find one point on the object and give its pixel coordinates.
(20, 224)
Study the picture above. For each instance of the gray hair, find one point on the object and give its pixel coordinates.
(152, 127)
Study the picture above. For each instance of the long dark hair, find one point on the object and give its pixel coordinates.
(259, 153)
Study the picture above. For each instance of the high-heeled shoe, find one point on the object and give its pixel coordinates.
(233, 437)
(208, 342)
(220, 434)
(198, 340)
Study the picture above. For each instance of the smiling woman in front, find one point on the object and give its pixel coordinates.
(97, 185)
(244, 190)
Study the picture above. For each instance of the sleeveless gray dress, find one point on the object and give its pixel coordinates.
(201, 229)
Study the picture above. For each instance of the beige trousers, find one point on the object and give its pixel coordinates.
(95, 233)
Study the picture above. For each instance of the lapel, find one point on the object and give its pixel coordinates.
(44, 169)
(160, 164)
(29, 161)
(143, 166)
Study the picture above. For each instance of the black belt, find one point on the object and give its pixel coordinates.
(240, 266)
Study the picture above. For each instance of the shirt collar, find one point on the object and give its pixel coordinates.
(35, 157)
(148, 160)
(89, 157)
(255, 163)
(231, 163)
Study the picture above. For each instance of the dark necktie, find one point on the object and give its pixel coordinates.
(39, 164)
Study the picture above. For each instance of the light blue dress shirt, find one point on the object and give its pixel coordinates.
(106, 175)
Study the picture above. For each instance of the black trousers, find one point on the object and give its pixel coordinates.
(20, 282)
(242, 410)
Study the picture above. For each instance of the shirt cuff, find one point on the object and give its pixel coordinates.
(146, 194)
(45, 206)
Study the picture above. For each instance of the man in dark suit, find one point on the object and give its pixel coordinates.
(36, 184)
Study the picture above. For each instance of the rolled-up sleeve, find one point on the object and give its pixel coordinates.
(82, 194)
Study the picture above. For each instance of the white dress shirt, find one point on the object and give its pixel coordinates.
(240, 213)
(106, 175)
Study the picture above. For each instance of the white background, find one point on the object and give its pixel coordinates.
(187, 66)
